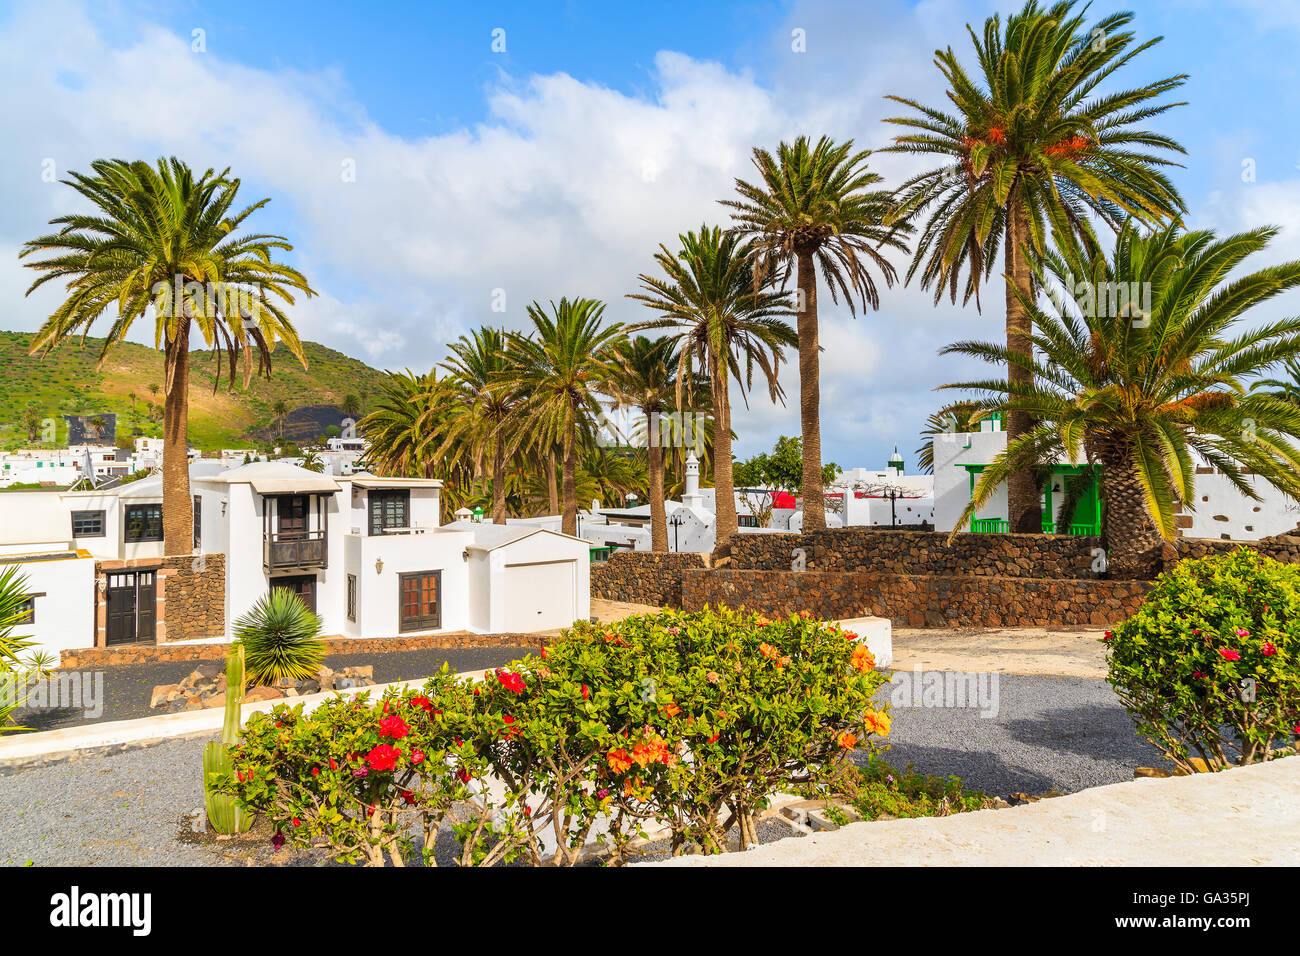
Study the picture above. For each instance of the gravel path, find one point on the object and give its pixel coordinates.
(126, 688)
(127, 809)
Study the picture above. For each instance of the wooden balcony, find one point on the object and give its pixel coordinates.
(288, 552)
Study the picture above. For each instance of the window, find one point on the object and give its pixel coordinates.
(746, 521)
(418, 601)
(198, 522)
(88, 524)
(389, 509)
(144, 523)
(26, 613)
(352, 597)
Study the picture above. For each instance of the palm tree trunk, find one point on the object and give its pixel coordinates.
(814, 504)
(1133, 543)
(655, 465)
(724, 495)
(552, 489)
(1024, 505)
(177, 506)
(569, 485)
(499, 478)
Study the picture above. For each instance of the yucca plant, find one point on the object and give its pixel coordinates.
(281, 638)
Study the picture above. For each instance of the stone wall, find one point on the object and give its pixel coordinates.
(195, 597)
(140, 653)
(920, 552)
(644, 577)
(918, 600)
(1280, 547)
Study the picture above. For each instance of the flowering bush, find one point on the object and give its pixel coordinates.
(672, 717)
(1210, 663)
(362, 776)
(710, 712)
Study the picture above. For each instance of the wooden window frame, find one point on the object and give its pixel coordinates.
(103, 523)
(126, 523)
(423, 623)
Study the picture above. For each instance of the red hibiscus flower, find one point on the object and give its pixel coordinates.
(315, 771)
(423, 703)
(383, 757)
(394, 727)
(277, 841)
(463, 774)
(417, 756)
(1228, 654)
(297, 822)
(511, 682)
(586, 693)
(1267, 649)
(1108, 636)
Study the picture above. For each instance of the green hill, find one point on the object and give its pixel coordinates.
(129, 383)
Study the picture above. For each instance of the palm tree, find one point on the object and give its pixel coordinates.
(815, 209)
(646, 378)
(561, 366)
(351, 405)
(723, 317)
(1287, 389)
(1138, 396)
(1033, 146)
(281, 409)
(482, 367)
(161, 238)
(951, 420)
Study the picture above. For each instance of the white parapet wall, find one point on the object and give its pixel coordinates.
(877, 633)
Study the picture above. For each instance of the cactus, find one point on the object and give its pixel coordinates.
(223, 809)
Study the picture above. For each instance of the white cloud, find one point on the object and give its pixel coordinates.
(566, 188)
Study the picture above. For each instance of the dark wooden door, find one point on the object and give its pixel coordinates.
(131, 607)
(291, 515)
(419, 605)
(303, 585)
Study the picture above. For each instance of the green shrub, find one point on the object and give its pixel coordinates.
(878, 790)
(281, 638)
(1209, 666)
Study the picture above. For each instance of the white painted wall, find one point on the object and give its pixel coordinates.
(952, 482)
(506, 572)
(65, 606)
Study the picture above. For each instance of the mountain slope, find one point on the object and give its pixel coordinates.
(67, 382)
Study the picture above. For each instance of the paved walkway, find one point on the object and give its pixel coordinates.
(1246, 816)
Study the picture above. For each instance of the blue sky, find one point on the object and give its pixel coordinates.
(556, 167)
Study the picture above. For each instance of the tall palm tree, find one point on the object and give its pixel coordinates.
(1138, 397)
(815, 209)
(281, 409)
(950, 420)
(723, 317)
(646, 379)
(163, 239)
(405, 428)
(1032, 145)
(562, 365)
(482, 366)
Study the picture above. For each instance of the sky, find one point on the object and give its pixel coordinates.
(431, 163)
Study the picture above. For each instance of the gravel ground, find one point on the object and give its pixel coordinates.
(127, 688)
(129, 808)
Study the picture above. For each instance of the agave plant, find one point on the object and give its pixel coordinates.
(281, 638)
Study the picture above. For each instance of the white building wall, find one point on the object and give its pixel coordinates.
(65, 603)
(952, 482)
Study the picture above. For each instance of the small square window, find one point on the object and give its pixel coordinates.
(143, 523)
(88, 524)
(352, 597)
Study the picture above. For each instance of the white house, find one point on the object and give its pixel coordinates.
(56, 620)
(1219, 511)
(366, 553)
